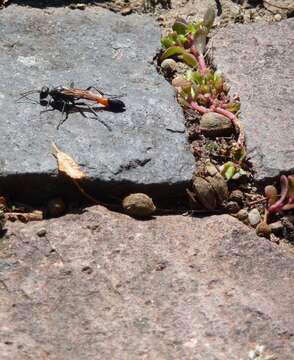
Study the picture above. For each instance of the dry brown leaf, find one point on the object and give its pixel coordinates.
(66, 165)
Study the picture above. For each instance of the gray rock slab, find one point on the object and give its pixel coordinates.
(258, 61)
(104, 286)
(146, 146)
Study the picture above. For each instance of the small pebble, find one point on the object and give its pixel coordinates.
(254, 217)
(233, 207)
(237, 196)
(278, 17)
(205, 193)
(78, 6)
(214, 125)
(263, 230)
(138, 205)
(242, 215)
(41, 232)
(126, 11)
(220, 188)
(168, 65)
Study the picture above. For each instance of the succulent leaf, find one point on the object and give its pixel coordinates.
(200, 40)
(180, 28)
(209, 17)
(172, 51)
(189, 59)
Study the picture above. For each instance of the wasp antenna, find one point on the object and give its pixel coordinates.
(31, 101)
(30, 92)
(24, 95)
(116, 96)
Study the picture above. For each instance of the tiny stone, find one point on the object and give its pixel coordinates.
(211, 169)
(41, 232)
(81, 6)
(233, 207)
(237, 196)
(263, 230)
(254, 217)
(205, 193)
(220, 188)
(77, 6)
(242, 215)
(126, 11)
(214, 125)
(168, 65)
(138, 205)
(278, 17)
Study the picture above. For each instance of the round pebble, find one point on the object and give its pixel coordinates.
(278, 17)
(263, 230)
(242, 215)
(233, 207)
(254, 217)
(237, 196)
(168, 65)
(214, 125)
(41, 232)
(138, 205)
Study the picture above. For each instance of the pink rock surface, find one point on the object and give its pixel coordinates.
(101, 285)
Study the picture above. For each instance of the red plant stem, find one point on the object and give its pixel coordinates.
(237, 124)
(229, 115)
(200, 59)
(202, 65)
(200, 109)
(277, 206)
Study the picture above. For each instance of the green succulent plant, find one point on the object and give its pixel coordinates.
(187, 41)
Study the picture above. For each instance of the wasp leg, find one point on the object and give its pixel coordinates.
(62, 112)
(78, 109)
(62, 121)
(47, 110)
(90, 108)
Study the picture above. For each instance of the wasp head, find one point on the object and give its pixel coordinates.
(44, 92)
